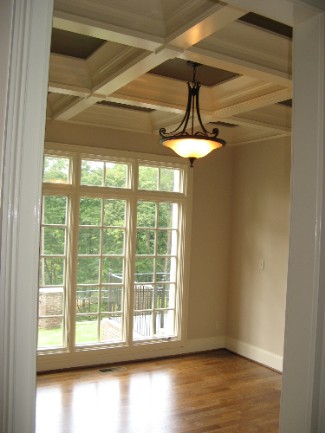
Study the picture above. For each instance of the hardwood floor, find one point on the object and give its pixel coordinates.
(202, 393)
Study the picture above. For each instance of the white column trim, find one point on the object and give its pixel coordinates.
(22, 142)
(306, 290)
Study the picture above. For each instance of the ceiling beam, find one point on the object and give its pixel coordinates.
(107, 32)
(204, 26)
(140, 37)
(134, 62)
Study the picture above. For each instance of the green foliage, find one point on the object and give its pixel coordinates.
(51, 271)
(56, 169)
(158, 179)
(99, 173)
(54, 209)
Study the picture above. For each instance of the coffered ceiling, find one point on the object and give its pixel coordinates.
(123, 64)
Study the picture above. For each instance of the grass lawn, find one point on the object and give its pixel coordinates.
(86, 332)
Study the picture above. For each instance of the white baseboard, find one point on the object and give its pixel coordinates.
(255, 353)
(87, 358)
(46, 362)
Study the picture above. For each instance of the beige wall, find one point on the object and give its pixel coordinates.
(259, 231)
(210, 243)
(210, 219)
(62, 132)
(240, 216)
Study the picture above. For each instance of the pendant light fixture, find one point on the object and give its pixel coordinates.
(185, 140)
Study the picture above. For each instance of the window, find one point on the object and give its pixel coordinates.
(155, 269)
(111, 253)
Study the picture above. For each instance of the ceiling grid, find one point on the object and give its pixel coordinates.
(112, 59)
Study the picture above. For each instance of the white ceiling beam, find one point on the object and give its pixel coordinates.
(248, 135)
(251, 104)
(276, 117)
(167, 94)
(133, 69)
(132, 63)
(259, 124)
(246, 50)
(117, 71)
(227, 99)
(107, 32)
(126, 74)
(72, 108)
(68, 75)
(237, 66)
(116, 118)
(213, 20)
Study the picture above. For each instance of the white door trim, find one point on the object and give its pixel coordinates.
(22, 143)
(304, 333)
(26, 59)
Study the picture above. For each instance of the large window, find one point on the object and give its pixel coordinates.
(112, 251)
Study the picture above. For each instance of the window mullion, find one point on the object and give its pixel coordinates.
(154, 312)
(73, 256)
(131, 253)
(100, 269)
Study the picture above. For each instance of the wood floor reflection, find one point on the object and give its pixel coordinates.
(209, 392)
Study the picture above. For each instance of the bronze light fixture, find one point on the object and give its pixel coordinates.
(185, 140)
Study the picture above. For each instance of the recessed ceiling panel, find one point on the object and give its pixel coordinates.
(180, 70)
(267, 24)
(74, 44)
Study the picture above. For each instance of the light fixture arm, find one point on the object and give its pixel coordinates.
(184, 140)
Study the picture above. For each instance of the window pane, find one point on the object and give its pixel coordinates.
(148, 178)
(87, 299)
(146, 214)
(114, 213)
(142, 325)
(167, 215)
(144, 270)
(111, 299)
(164, 242)
(113, 241)
(88, 270)
(92, 173)
(116, 175)
(87, 329)
(159, 179)
(54, 209)
(165, 297)
(111, 328)
(166, 269)
(143, 296)
(51, 272)
(169, 179)
(145, 242)
(90, 211)
(89, 241)
(50, 332)
(56, 169)
(53, 241)
(112, 271)
(164, 323)
(50, 302)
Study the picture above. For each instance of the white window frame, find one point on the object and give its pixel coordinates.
(91, 354)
